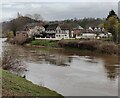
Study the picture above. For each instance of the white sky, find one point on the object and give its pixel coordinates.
(8, 1)
(58, 9)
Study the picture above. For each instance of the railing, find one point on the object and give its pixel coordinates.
(48, 38)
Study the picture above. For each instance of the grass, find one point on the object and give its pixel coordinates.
(45, 43)
(13, 85)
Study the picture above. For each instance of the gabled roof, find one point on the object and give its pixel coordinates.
(78, 27)
(96, 28)
(52, 27)
(87, 31)
(64, 27)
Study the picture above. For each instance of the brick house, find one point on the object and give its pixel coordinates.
(21, 37)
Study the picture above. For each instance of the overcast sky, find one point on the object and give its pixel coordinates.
(51, 10)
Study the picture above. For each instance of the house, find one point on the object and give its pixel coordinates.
(21, 37)
(63, 32)
(76, 31)
(58, 31)
(96, 29)
(104, 35)
(100, 32)
(87, 34)
(51, 30)
(84, 34)
(35, 29)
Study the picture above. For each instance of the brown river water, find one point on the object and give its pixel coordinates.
(70, 72)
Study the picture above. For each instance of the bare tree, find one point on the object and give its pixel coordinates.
(11, 62)
(29, 15)
(38, 17)
(35, 16)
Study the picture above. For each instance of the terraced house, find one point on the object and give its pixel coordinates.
(61, 31)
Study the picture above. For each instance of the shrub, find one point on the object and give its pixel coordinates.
(11, 62)
(108, 48)
(92, 45)
(89, 45)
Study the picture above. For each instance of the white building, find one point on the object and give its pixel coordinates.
(88, 35)
(105, 35)
(59, 31)
(37, 30)
(63, 32)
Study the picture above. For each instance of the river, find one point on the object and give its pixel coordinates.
(70, 72)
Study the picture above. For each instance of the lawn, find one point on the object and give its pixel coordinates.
(49, 43)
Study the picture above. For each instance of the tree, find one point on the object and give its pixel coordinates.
(118, 32)
(17, 24)
(13, 27)
(29, 16)
(111, 25)
(10, 35)
(11, 61)
(111, 13)
(34, 16)
(38, 17)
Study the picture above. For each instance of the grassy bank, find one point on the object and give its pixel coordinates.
(100, 46)
(14, 85)
(49, 43)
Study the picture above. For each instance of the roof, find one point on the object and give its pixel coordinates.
(78, 27)
(64, 27)
(87, 31)
(52, 27)
(96, 27)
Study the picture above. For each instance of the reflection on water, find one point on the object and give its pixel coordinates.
(63, 57)
(84, 72)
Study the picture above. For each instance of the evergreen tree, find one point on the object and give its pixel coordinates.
(111, 14)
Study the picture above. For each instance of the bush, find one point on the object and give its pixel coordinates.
(92, 45)
(89, 45)
(11, 62)
(68, 43)
(108, 48)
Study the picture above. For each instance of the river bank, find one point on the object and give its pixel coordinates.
(14, 85)
(99, 46)
(87, 73)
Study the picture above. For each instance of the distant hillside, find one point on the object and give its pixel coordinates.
(85, 23)
(16, 24)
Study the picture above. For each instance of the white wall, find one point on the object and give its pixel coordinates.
(64, 34)
(87, 35)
